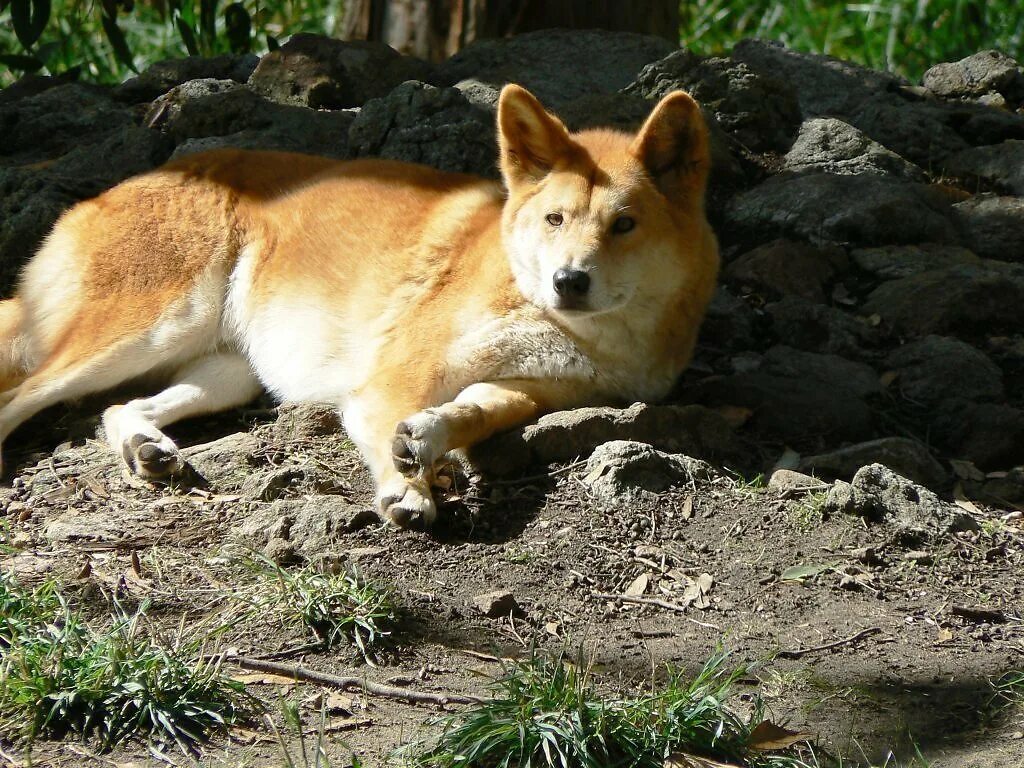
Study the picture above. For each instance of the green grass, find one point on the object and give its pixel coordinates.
(336, 608)
(549, 713)
(60, 675)
(903, 36)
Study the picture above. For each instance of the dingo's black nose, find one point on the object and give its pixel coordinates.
(571, 283)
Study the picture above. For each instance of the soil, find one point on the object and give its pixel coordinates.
(919, 679)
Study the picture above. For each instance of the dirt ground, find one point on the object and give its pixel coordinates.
(918, 673)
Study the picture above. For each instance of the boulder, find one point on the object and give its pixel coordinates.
(829, 371)
(323, 73)
(422, 124)
(761, 112)
(963, 299)
(162, 76)
(889, 262)
(786, 267)
(729, 322)
(815, 327)
(902, 455)
(1000, 166)
(865, 210)
(548, 62)
(935, 369)
(976, 75)
(211, 114)
(990, 435)
(692, 430)
(301, 422)
(828, 145)
(621, 471)
(881, 495)
(993, 225)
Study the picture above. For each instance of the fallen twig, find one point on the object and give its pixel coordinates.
(677, 607)
(978, 614)
(799, 652)
(347, 683)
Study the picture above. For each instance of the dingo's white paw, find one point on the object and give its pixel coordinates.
(407, 506)
(151, 457)
(418, 443)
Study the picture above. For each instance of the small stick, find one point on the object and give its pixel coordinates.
(654, 601)
(346, 683)
(978, 614)
(799, 652)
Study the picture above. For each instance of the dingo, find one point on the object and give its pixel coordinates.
(433, 308)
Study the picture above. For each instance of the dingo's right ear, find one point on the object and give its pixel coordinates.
(532, 140)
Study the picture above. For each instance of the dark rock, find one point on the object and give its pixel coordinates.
(548, 62)
(902, 455)
(298, 422)
(1005, 490)
(998, 165)
(323, 73)
(829, 371)
(31, 84)
(869, 100)
(792, 408)
(986, 298)
(866, 210)
(818, 328)
(889, 262)
(275, 484)
(160, 77)
(691, 430)
(990, 435)
(994, 226)
(309, 528)
(829, 145)
(728, 322)
(210, 114)
(422, 124)
(786, 267)
(879, 494)
(761, 112)
(981, 73)
(937, 368)
(497, 604)
(60, 119)
(625, 470)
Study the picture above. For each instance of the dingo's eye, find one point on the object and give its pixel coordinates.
(554, 219)
(623, 224)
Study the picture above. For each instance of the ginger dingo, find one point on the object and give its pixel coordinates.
(432, 308)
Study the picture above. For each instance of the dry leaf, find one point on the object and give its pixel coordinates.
(136, 564)
(961, 500)
(639, 586)
(94, 485)
(685, 760)
(804, 571)
(336, 702)
(768, 736)
(887, 378)
(553, 628)
(687, 510)
(85, 571)
(262, 678)
(945, 635)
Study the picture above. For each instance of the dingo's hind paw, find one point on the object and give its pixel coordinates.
(408, 507)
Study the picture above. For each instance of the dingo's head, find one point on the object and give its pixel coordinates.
(599, 219)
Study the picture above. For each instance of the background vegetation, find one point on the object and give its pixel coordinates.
(110, 38)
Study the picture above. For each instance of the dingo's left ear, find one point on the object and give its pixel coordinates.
(531, 139)
(673, 146)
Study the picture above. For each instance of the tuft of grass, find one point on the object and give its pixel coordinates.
(337, 608)
(809, 512)
(60, 675)
(1009, 690)
(548, 713)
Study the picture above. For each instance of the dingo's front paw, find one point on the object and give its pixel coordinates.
(152, 458)
(407, 506)
(418, 444)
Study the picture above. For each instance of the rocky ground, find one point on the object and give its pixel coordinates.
(869, 331)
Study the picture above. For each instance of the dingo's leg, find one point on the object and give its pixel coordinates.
(205, 385)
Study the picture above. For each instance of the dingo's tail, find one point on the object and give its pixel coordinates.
(12, 344)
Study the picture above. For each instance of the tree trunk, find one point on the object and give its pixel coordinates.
(436, 30)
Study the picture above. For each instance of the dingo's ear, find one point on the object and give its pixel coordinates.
(531, 139)
(673, 146)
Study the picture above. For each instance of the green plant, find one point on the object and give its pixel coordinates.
(548, 713)
(904, 36)
(60, 675)
(336, 608)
